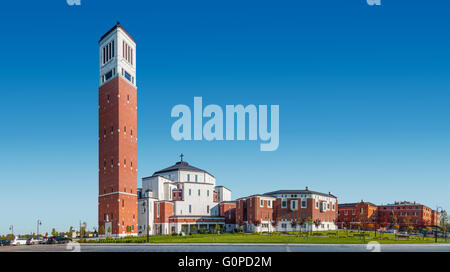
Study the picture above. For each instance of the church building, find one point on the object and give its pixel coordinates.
(181, 198)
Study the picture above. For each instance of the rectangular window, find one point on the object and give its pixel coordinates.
(127, 76)
(283, 204)
(131, 56)
(190, 208)
(293, 204)
(196, 178)
(103, 56)
(190, 192)
(198, 192)
(157, 210)
(188, 177)
(112, 46)
(108, 75)
(262, 203)
(303, 203)
(207, 209)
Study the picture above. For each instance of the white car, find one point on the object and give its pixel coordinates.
(19, 241)
(34, 241)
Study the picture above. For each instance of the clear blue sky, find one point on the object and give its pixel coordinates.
(364, 95)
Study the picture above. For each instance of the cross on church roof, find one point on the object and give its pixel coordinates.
(181, 156)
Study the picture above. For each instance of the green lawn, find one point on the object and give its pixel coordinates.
(316, 238)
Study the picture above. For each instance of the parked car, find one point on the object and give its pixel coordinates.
(5, 242)
(62, 240)
(51, 240)
(34, 241)
(44, 240)
(19, 241)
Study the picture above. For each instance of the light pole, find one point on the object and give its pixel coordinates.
(145, 204)
(11, 228)
(39, 223)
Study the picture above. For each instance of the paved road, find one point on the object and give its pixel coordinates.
(232, 248)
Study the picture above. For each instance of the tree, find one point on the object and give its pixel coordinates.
(407, 221)
(54, 233)
(218, 227)
(317, 223)
(301, 222)
(101, 231)
(128, 229)
(46, 234)
(109, 230)
(83, 229)
(394, 219)
(70, 232)
(309, 222)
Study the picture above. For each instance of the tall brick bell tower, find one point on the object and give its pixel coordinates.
(117, 201)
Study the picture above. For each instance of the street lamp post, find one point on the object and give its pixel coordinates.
(11, 228)
(39, 223)
(145, 204)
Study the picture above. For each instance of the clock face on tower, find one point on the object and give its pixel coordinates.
(117, 133)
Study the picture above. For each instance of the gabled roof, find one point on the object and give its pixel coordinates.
(295, 192)
(181, 165)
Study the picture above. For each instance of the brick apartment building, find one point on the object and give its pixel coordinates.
(408, 214)
(287, 210)
(403, 214)
(349, 214)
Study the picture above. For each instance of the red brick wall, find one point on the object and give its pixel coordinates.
(118, 118)
(165, 211)
(228, 210)
(424, 217)
(309, 212)
(369, 215)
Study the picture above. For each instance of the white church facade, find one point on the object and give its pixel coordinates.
(180, 198)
